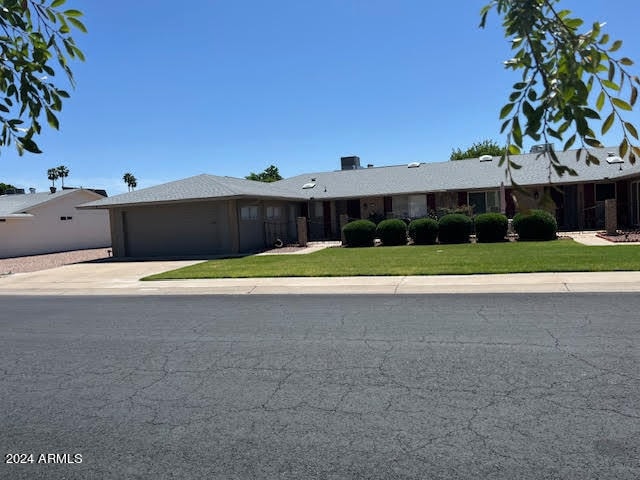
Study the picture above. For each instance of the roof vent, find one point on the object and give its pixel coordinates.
(486, 158)
(612, 158)
(309, 185)
(413, 165)
(350, 163)
(542, 147)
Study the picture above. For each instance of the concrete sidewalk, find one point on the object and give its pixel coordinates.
(122, 278)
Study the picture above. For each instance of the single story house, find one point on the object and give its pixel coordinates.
(208, 214)
(44, 222)
(201, 215)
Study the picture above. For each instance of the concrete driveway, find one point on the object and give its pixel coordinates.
(122, 278)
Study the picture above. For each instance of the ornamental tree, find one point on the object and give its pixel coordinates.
(572, 82)
(35, 44)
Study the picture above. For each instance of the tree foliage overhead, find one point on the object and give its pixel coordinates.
(485, 147)
(270, 174)
(35, 44)
(572, 81)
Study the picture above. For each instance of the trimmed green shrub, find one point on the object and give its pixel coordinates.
(535, 225)
(454, 228)
(392, 232)
(359, 233)
(491, 227)
(423, 231)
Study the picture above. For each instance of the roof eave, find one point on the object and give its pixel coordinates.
(186, 200)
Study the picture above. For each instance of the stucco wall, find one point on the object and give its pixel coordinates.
(255, 234)
(45, 232)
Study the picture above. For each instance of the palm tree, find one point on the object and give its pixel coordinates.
(53, 175)
(126, 178)
(130, 180)
(63, 172)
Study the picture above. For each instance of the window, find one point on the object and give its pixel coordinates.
(274, 212)
(417, 206)
(66, 218)
(249, 212)
(478, 201)
(493, 201)
(483, 202)
(400, 206)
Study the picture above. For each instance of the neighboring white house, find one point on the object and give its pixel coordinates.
(36, 223)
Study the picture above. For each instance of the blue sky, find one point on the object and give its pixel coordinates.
(171, 89)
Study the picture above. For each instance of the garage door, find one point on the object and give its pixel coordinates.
(188, 229)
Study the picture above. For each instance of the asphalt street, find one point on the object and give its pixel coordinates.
(501, 386)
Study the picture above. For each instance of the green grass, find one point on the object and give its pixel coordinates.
(517, 257)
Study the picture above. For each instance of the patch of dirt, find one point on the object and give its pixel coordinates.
(621, 237)
(50, 260)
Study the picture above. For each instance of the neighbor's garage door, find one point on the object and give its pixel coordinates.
(170, 230)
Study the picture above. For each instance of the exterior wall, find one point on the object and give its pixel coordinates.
(198, 228)
(529, 199)
(46, 233)
(261, 232)
(117, 233)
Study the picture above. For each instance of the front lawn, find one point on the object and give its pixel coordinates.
(516, 257)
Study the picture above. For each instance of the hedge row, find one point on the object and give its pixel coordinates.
(451, 228)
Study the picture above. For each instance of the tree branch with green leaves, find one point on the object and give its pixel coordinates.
(35, 44)
(570, 79)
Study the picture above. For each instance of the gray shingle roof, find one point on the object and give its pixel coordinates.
(23, 202)
(452, 175)
(394, 180)
(195, 188)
